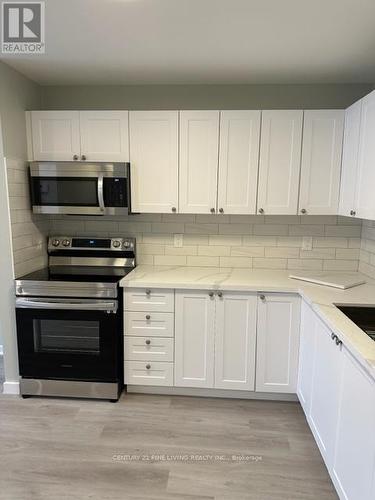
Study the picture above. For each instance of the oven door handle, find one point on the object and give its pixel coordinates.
(101, 192)
(25, 303)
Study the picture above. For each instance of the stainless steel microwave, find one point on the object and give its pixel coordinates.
(80, 188)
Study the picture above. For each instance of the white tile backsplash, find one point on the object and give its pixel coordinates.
(228, 241)
(29, 232)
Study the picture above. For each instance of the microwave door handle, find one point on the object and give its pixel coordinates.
(101, 192)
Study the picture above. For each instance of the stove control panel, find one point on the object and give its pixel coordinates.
(73, 243)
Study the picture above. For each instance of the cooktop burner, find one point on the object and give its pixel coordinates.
(78, 274)
(85, 267)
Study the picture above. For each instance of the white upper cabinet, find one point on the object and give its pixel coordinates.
(238, 161)
(199, 149)
(321, 162)
(280, 161)
(104, 135)
(364, 199)
(235, 341)
(154, 161)
(194, 339)
(55, 135)
(80, 135)
(354, 458)
(277, 342)
(349, 171)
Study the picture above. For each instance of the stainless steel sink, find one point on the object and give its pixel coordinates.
(362, 316)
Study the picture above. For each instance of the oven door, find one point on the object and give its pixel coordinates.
(76, 189)
(69, 339)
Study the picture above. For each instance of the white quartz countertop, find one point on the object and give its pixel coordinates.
(321, 298)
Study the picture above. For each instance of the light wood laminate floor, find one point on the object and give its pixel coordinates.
(55, 449)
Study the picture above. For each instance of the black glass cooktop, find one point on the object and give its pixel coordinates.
(78, 274)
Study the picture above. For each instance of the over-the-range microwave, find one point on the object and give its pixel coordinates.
(80, 188)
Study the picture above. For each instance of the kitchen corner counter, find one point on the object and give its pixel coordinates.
(321, 298)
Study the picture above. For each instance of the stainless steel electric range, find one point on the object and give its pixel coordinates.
(70, 319)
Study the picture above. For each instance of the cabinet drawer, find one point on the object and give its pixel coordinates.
(148, 349)
(149, 324)
(137, 373)
(146, 299)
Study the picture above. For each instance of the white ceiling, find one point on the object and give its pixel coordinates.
(205, 41)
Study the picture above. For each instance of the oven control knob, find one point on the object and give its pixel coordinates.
(116, 244)
(126, 244)
(55, 243)
(66, 243)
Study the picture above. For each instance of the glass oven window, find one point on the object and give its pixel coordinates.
(66, 336)
(65, 191)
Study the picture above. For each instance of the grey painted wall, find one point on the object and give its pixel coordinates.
(202, 96)
(17, 94)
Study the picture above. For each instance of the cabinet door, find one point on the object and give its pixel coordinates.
(280, 161)
(199, 150)
(154, 161)
(55, 135)
(194, 339)
(354, 459)
(349, 171)
(306, 356)
(238, 161)
(325, 391)
(321, 161)
(235, 341)
(364, 198)
(277, 343)
(105, 135)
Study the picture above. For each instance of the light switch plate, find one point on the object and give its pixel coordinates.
(307, 243)
(178, 240)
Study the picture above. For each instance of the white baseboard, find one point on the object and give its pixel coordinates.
(11, 388)
(210, 393)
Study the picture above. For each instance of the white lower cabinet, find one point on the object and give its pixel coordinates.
(148, 373)
(354, 458)
(307, 344)
(149, 337)
(277, 342)
(338, 398)
(235, 341)
(194, 339)
(325, 391)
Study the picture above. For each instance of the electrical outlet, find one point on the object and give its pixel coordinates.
(178, 240)
(307, 243)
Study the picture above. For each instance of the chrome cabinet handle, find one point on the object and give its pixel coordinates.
(261, 211)
(303, 210)
(262, 297)
(338, 341)
(220, 294)
(148, 292)
(333, 336)
(148, 342)
(211, 294)
(221, 210)
(83, 157)
(75, 157)
(148, 316)
(148, 366)
(174, 210)
(212, 210)
(352, 212)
